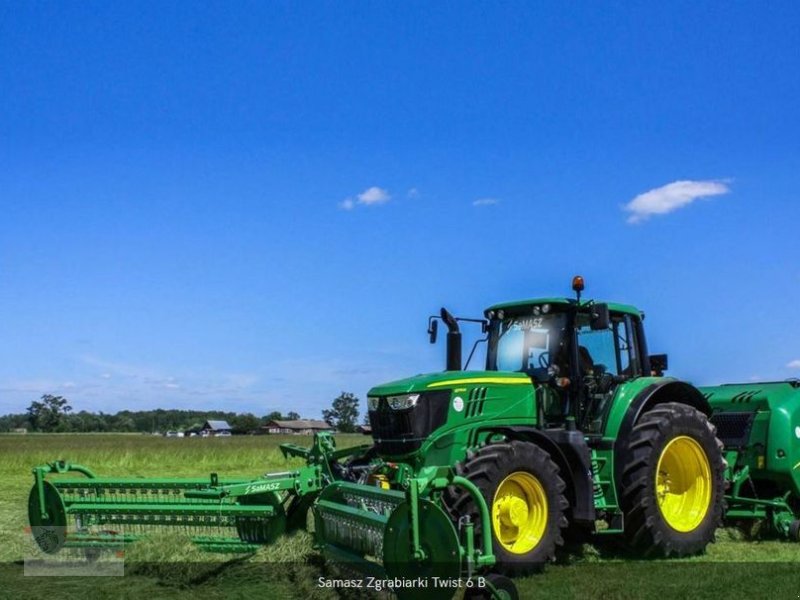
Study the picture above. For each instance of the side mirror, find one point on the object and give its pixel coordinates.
(433, 329)
(658, 364)
(600, 317)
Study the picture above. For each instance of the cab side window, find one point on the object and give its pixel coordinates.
(611, 350)
(599, 346)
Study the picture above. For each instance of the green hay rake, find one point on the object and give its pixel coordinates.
(218, 515)
(389, 534)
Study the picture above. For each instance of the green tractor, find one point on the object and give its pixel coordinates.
(571, 431)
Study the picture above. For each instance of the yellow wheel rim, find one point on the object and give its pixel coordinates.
(519, 512)
(683, 484)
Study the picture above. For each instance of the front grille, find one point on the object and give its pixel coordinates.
(397, 432)
(475, 401)
(733, 428)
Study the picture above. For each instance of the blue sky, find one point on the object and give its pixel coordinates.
(255, 206)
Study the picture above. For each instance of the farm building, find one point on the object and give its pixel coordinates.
(300, 427)
(215, 428)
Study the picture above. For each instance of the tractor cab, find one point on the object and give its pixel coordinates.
(578, 352)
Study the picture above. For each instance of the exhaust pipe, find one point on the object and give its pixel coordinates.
(453, 341)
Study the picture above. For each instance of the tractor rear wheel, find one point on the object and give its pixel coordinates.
(525, 495)
(672, 482)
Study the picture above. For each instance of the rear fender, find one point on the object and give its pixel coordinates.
(659, 392)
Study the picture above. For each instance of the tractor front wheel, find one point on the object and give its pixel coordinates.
(672, 482)
(525, 495)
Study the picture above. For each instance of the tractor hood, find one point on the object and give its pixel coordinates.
(448, 380)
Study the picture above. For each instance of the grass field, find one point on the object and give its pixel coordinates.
(168, 567)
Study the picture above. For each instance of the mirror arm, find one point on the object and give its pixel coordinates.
(474, 347)
(471, 320)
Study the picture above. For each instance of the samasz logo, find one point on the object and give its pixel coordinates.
(257, 488)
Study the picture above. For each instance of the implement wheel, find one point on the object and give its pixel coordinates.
(525, 495)
(672, 482)
(504, 589)
(439, 541)
(49, 531)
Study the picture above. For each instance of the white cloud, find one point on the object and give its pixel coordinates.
(369, 197)
(485, 202)
(670, 197)
(795, 364)
(373, 195)
(413, 193)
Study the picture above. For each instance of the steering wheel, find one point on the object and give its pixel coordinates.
(544, 359)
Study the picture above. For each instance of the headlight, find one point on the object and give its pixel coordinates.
(403, 402)
(372, 402)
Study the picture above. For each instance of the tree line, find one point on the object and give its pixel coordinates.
(54, 414)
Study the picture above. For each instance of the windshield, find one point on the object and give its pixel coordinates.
(527, 343)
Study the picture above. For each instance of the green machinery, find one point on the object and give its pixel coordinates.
(570, 431)
(759, 426)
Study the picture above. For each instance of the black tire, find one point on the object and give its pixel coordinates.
(647, 531)
(794, 531)
(506, 590)
(487, 468)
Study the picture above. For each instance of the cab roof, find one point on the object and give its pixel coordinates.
(612, 306)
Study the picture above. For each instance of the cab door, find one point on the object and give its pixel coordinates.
(606, 357)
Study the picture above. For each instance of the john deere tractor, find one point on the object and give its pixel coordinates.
(572, 430)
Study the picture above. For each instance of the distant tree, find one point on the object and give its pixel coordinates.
(343, 414)
(15, 421)
(48, 413)
(53, 413)
(123, 423)
(277, 415)
(245, 423)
